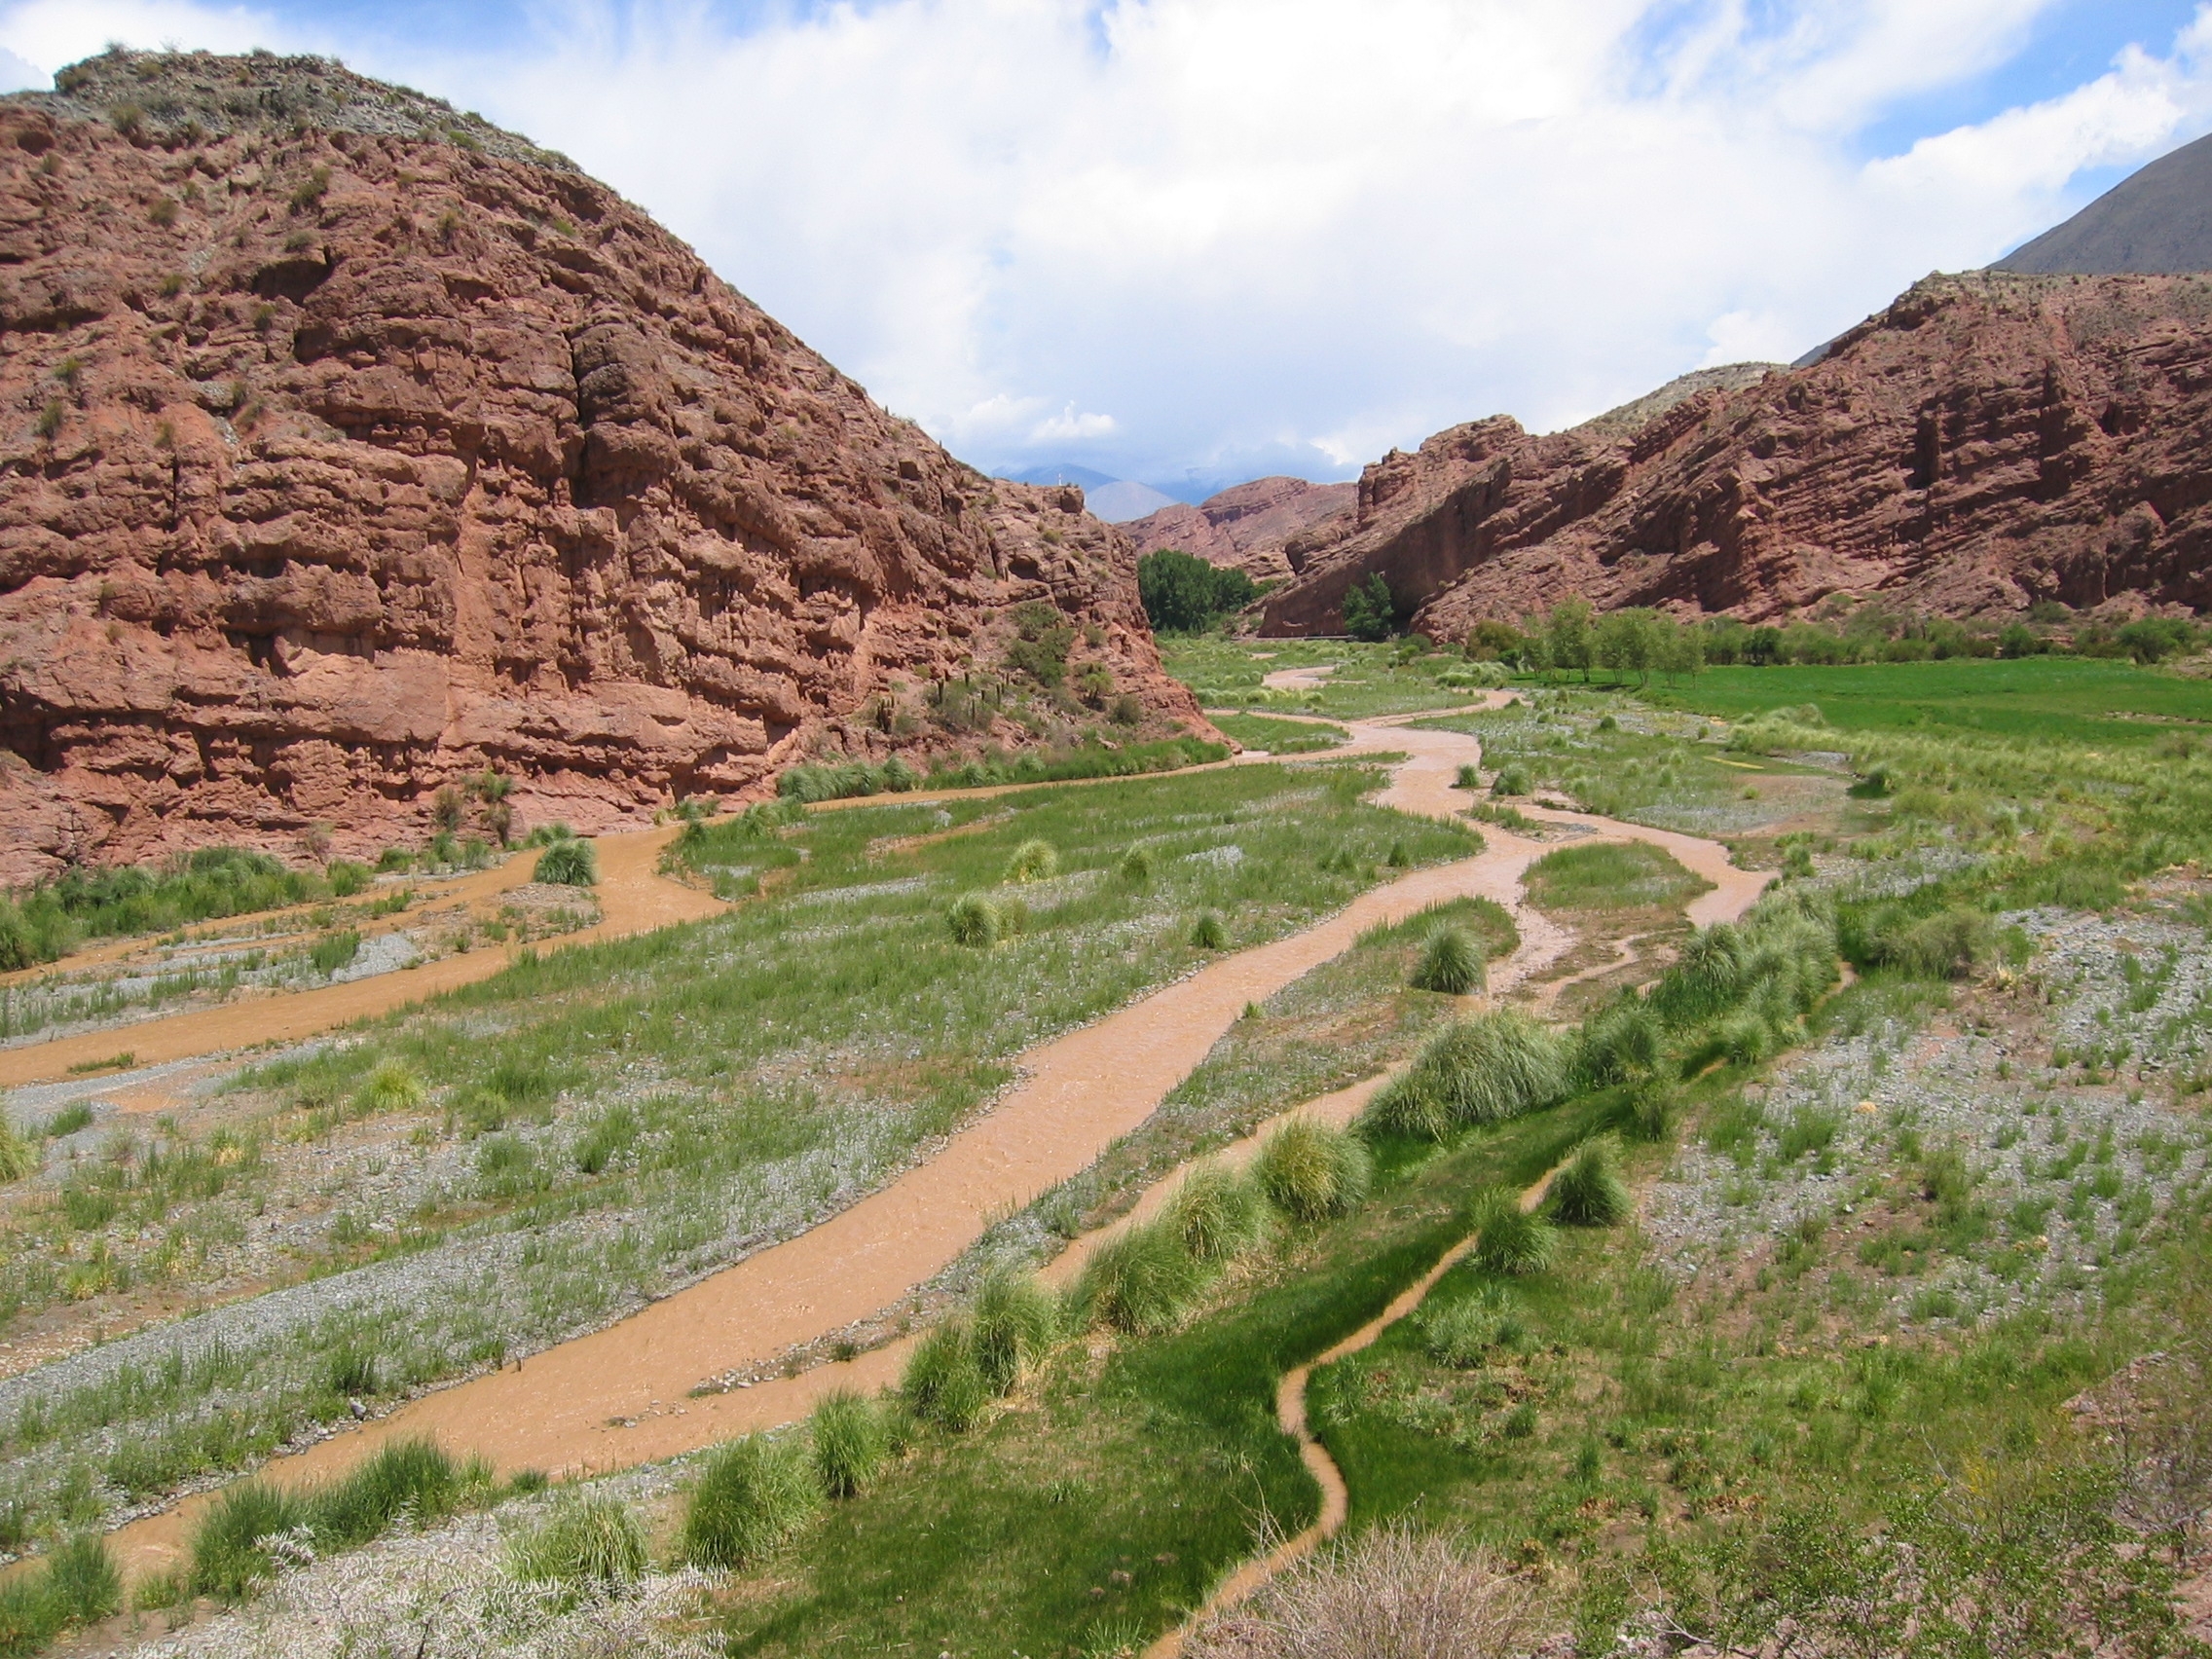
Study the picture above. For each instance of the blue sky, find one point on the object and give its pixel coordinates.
(1193, 240)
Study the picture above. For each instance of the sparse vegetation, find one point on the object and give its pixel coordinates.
(568, 864)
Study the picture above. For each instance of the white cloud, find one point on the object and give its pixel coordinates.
(1279, 228)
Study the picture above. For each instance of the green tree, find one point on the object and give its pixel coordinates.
(1566, 636)
(1186, 595)
(1370, 612)
(1622, 643)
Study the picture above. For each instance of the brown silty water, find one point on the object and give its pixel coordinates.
(620, 1396)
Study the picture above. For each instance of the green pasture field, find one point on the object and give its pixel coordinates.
(1280, 737)
(2090, 700)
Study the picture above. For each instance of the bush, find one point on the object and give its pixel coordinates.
(1465, 1333)
(1510, 1239)
(943, 1384)
(1393, 1594)
(82, 1584)
(1311, 1172)
(1368, 610)
(1483, 1070)
(974, 921)
(1033, 861)
(587, 1545)
(1619, 1042)
(753, 1493)
(1015, 1322)
(568, 864)
(391, 1088)
(231, 1546)
(411, 1478)
(19, 1158)
(1588, 1190)
(1185, 594)
(849, 1441)
(1450, 961)
(1216, 1213)
(1209, 933)
(1141, 1280)
(1652, 1106)
(1705, 980)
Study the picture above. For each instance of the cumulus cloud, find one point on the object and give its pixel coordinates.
(1288, 232)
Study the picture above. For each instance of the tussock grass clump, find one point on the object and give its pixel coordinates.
(1136, 867)
(232, 1544)
(77, 1584)
(1311, 1172)
(753, 1493)
(1033, 861)
(1620, 1040)
(1654, 1104)
(1465, 1333)
(19, 1154)
(587, 1545)
(1141, 1281)
(1209, 932)
(1016, 1319)
(1511, 780)
(568, 864)
(1216, 1213)
(976, 922)
(850, 1441)
(943, 1384)
(393, 1087)
(412, 1479)
(1510, 1239)
(1392, 1594)
(1588, 1190)
(1450, 961)
(1705, 980)
(1486, 1069)
(1947, 945)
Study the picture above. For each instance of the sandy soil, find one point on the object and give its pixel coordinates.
(1298, 678)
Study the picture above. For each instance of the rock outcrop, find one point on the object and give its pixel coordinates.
(1987, 441)
(1246, 528)
(353, 446)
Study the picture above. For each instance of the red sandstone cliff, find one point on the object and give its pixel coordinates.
(1246, 528)
(352, 446)
(1987, 441)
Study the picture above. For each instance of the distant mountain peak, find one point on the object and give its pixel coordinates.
(2157, 221)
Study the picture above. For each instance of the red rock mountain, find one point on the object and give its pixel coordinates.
(352, 445)
(1987, 441)
(1246, 528)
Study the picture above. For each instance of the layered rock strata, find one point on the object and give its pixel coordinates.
(1987, 441)
(1246, 528)
(352, 447)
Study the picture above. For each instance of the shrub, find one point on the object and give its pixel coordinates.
(1368, 610)
(411, 1478)
(568, 864)
(1509, 1239)
(1393, 1594)
(974, 921)
(1136, 865)
(1015, 1323)
(753, 1493)
(391, 1088)
(1141, 1280)
(1468, 778)
(82, 1584)
(1466, 1332)
(849, 1441)
(231, 1546)
(1483, 1070)
(1311, 1172)
(587, 1545)
(1185, 594)
(1033, 861)
(943, 1385)
(1450, 961)
(1209, 933)
(1215, 1213)
(334, 951)
(1588, 1190)
(1744, 1038)
(19, 1158)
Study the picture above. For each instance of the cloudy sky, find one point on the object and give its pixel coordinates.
(1194, 240)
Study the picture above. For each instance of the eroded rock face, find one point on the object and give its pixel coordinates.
(339, 464)
(1987, 441)
(1246, 528)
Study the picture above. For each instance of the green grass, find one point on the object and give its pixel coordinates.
(1143, 1476)
(839, 780)
(1615, 875)
(45, 922)
(1279, 736)
(752, 1493)
(1369, 679)
(2082, 700)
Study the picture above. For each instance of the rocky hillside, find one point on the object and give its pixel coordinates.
(1987, 441)
(353, 445)
(2157, 220)
(1246, 528)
